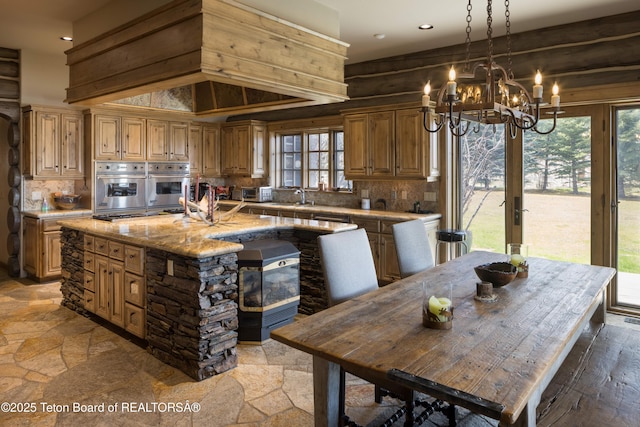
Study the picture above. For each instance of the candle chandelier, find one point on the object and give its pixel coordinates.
(498, 99)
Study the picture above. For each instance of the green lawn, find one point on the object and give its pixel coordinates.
(557, 226)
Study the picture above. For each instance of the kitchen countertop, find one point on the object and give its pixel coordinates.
(364, 213)
(192, 238)
(56, 213)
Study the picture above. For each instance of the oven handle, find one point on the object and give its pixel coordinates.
(120, 177)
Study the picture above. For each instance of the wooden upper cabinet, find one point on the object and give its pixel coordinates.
(167, 140)
(356, 145)
(53, 141)
(119, 138)
(411, 144)
(211, 151)
(381, 144)
(107, 137)
(72, 152)
(195, 149)
(369, 145)
(243, 151)
(179, 141)
(134, 138)
(389, 142)
(158, 139)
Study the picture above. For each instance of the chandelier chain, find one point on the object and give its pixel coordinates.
(507, 16)
(467, 62)
(489, 33)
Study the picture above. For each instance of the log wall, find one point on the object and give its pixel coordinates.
(10, 150)
(597, 53)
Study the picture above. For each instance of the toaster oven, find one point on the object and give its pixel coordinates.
(256, 194)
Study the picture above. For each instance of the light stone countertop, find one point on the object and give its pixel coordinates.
(57, 213)
(192, 238)
(324, 209)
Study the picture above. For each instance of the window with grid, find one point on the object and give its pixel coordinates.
(291, 160)
(309, 158)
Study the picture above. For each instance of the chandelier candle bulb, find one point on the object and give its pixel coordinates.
(555, 98)
(425, 97)
(451, 84)
(537, 87)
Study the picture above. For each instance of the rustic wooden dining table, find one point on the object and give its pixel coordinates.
(496, 360)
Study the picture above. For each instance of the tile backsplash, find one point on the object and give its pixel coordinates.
(397, 196)
(45, 189)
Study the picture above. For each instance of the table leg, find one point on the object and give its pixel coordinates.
(326, 393)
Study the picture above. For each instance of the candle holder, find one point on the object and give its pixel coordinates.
(437, 308)
(518, 254)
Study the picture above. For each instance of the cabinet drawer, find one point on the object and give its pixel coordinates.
(116, 250)
(51, 225)
(89, 243)
(89, 281)
(134, 259)
(134, 320)
(89, 301)
(370, 225)
(134, 289)
(101, 246)
(89, 261)
(385, 226)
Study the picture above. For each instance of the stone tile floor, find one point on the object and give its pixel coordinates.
(58, 368)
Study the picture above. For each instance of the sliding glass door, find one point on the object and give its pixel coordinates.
(557, 190)
(626, 207)
(535, 189)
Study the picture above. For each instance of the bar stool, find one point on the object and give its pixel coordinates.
(450, 235)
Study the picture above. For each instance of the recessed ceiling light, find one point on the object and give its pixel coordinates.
(67, 38)
(379, 36)
(425, 27)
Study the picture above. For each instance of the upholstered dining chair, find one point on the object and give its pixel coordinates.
(412, 247)
(349, 271)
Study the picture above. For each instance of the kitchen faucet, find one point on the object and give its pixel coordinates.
(303, 198)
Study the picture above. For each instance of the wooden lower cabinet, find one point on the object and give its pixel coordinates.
(42, 256)
(115, 284)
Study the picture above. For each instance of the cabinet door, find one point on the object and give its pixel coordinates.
(195, 149)
(102, 283)
(134, 289)
(257, 147)
(134, 137)
(382, 143)
(30, 234)
(356, 154)
(107, 137)
(433, 166)
(410, 144)
(389, 269)
(211, 147)
(242, 145)
(47, 149)
(52, 254)
(71, 152)
(229, 156)
(135, 320)
(158, 140)
(116, 303)
(179, 141)
(89, 301)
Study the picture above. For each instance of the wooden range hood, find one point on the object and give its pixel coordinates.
(235, 60)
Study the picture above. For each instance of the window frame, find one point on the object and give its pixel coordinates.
(331, 173)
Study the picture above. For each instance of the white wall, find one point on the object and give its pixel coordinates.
(44, 78)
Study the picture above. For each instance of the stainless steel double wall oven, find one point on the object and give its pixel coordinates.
(126, 187)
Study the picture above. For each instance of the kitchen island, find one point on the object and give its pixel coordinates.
(173, 280)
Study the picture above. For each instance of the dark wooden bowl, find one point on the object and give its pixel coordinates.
(496, 273)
